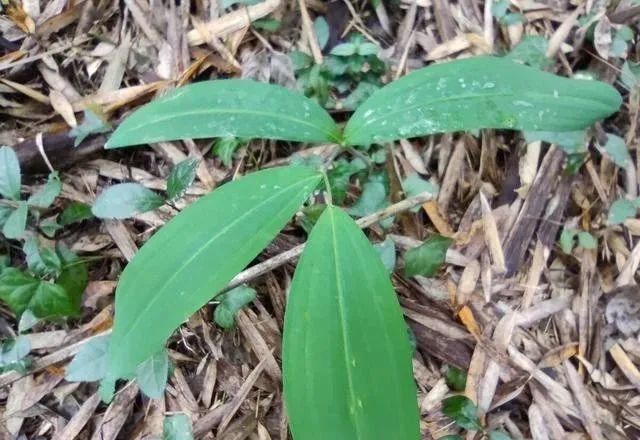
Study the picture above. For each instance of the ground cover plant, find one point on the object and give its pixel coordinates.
(343, 329)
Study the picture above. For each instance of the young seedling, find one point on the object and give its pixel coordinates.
(346, 355)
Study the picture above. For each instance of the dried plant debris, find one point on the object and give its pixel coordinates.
(514, 255)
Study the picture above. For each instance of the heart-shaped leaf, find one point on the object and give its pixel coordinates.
(346, 353)
(475, 93)
(195, 255)
(224, 108)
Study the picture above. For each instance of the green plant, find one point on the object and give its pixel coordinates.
(346, 354)
(52, 283)
(352, 70)
(463, 412)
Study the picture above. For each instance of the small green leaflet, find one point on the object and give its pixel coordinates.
(90, 364)
(617, 151)
(48, 193)
(346, 352)
(224, 149)
(463, 411)
(27, 321)
(126, 200)
(372, 199)
(9, 174)
(92, 124)
(15, 225)
(225, 108)
(414, 185)
(177, 427)
(387, 252)
(585, 240)
(151, 375)
(230, 303)
(190, 259)
(475, 93)
(630, 75)
(41, 261)
(321, 29)
(623, 209)
(427, 258)
(13, 354)
(456, 379)
(181, 178)
(75, 212)
(532, 50)
(74, 276)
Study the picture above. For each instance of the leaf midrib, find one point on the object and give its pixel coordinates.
(330, 134)
(439, 101)
(343, 323)
(265, 201)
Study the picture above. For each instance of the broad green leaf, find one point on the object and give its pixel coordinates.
(617, 150)
(195, 255)
(230, 303)
(177, 427)
(48, 193)
(90, 364)
(93, 123)
(475, 93)
(126, 200)
(346, 353)
(45, 300)
(387, 252)
(621, 210)
(427, 258)
(180, 178)
(223, 108)
(9, 174)
(16, 223)
(456, 379)
(75, 212)
(463, 411)
(151, 375)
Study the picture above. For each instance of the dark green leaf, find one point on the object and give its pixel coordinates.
(74, 276)
(223, 108)
(195, 255)
(177, 427)
(181, 178)
(49, 227)
(310, 216)
(92, 124)
(90, 364)
(362, 91)
(15, 225)
(456, 379)
(475, 93)
(224, 149)
(463, 411)
(230, 303)
(125, 200)
(267, 24)
(427, 258)
(9, 174)
(75, 212)
(346, 353)
(151, 375)
(339, 176)
(41, 261)
(48, 193)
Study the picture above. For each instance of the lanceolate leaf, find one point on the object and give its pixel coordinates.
(346, 354)
(195, 255)
(474, 93)
(9, 174)
(223, 108)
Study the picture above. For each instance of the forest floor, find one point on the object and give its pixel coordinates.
(544, 340)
